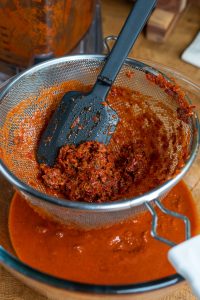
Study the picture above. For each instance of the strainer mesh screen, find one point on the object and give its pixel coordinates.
(26, 107)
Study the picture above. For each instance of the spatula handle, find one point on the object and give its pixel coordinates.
(127, 37)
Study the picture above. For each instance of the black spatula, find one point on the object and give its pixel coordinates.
(86, 117)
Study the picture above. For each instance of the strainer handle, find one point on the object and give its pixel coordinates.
(185, 258)
(151, 207)
(127, 37)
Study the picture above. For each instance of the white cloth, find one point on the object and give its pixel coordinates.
(192, 53)
(185, 258)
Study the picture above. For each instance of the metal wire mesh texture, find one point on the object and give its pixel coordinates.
(34, 94)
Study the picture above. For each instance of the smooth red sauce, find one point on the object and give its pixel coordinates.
(124, 253)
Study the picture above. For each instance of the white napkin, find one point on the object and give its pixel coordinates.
(185, 258)
(192, 53)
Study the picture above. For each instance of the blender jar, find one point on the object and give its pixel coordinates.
(34, 30)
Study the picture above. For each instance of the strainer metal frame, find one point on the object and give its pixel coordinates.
(103, 207)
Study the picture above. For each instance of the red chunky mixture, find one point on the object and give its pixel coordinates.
(149, 145)
(184, 111)
(92, 173)
(138, 158)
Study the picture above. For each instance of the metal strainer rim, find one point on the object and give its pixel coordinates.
(109, 206)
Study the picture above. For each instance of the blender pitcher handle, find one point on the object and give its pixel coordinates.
(185, 258)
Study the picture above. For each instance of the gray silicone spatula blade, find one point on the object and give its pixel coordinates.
(76, 121)
(86, 117)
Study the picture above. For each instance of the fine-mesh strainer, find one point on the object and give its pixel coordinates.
(34, 94)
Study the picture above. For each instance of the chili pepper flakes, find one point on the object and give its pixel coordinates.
(90, 172)
(184, 110)
(129, 74)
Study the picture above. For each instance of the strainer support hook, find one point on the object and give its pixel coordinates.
(106, 42)
(151, 208)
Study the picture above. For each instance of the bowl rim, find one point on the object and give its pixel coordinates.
(109, 206)
(10, 261)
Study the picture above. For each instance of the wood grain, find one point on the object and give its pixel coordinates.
(114, 13)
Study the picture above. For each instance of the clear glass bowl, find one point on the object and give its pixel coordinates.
(56, 288)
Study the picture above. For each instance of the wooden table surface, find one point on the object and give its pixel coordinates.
(114, 13)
